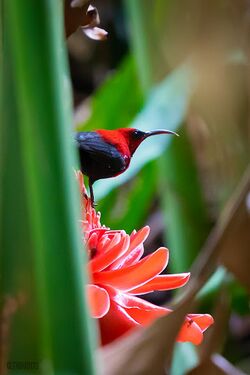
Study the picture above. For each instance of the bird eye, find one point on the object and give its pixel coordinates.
(138, 134)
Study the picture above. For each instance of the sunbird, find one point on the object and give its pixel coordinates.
(107, 153)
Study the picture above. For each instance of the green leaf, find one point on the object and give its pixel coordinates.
(185, 214)
(42, 283)
(128, 207)
(213, 285)
(186, 220)
(117, 101)
(165, 108)
(240, 298)
(238, 294)
(185, 357)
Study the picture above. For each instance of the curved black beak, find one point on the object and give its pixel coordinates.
(159, 131)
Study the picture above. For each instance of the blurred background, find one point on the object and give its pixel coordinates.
(183, 66)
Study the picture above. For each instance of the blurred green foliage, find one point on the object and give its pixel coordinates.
(165, 108)
(160, 98)
(186, 219)
(116, 102)
(145, 92)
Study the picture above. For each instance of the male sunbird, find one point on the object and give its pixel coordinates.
(107, 153)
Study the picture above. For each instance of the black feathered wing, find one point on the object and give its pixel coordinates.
(98, 158)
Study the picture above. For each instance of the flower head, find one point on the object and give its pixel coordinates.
(119, 274)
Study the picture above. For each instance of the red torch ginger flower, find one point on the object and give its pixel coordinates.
(119, 273)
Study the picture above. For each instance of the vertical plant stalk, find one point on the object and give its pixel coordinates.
(184, 211)
(50, 324)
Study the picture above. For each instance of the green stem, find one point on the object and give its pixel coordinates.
(51, 323)
(185, 216)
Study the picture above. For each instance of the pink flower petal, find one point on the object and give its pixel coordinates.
(162, 282)
(190, 332)
(128, 301)
(103, 243)
(80, 178)
(114, 250)
(99, 231)
(144, 313)
(130, 277)
(139, 237)
(202, 320)
(98, 299)
(135, 250)
(131, 258)
(111, 241)
(141, 311)
(92, 242)
(145, 317)
(115, 323)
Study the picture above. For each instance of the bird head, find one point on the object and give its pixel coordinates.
(135, 137)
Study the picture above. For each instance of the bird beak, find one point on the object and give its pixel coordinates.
(159, 131)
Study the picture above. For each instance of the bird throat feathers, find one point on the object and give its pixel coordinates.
(122, 139)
